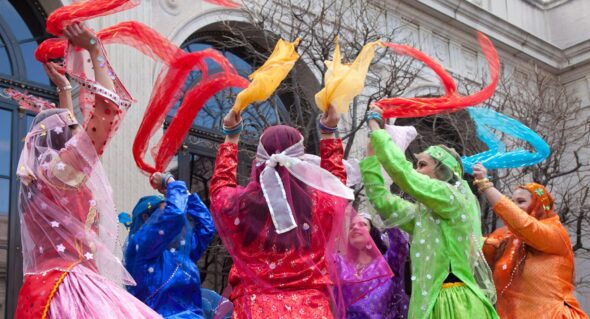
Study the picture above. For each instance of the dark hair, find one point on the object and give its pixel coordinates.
(376, 236)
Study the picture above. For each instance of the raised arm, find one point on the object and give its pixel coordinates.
(443, 198)
(543, 236)
(203, 230)
(161, 228)
(226, 167)
(394, 210)
(106, 116)
(331, 150)
(546, 237)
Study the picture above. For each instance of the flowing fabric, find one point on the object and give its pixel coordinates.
(161, 253)
(168, 90)
(444, 225)
(289, 274)
(68, 225)
(293, 160)
(344, 82)
(452, 101)
(225, 3)
(497, 156)
(266, 79)
(459, 302)
(65, 201)
(72, 298)
(532, 260)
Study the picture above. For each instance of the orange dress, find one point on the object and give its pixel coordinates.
(543, 287)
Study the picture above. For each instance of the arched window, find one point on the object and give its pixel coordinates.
(21, 30)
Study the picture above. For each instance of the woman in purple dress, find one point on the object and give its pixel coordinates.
(386, 298)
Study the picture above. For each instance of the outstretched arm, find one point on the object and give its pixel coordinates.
(535, 233)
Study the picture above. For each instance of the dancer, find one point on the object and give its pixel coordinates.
(167, 238)
(531, 257)
(68, 221)
(389, 300)
(449, 275)
(278, 227)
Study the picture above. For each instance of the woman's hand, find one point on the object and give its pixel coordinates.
(374, 124)
(81, 36)
(156, 181)
(232, 119)
(479, 171)
(56, 74)
(330, 118)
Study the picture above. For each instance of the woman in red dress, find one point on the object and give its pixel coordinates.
(279, 226)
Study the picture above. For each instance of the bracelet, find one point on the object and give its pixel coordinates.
(480, 181)
(485, 187)
(326, 129)
(375, 116)
(165, 179)
(65, 88)
(237, 129)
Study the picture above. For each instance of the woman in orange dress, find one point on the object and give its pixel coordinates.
(531, 257)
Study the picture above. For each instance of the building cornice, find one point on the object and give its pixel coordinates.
(465, 15)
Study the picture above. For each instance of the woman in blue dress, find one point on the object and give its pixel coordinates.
(168, 236)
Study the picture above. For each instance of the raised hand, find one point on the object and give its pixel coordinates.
(232, 119)
(479, 171)
(374, 123)
(81, 36)
(56, 74)
(330, 118)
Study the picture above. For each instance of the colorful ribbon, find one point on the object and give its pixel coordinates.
(497, 156)
(452, 101)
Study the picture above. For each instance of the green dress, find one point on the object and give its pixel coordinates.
(445, 227)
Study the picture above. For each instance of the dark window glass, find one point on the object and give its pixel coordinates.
(5, 66)
(5, 141)
(4, 199)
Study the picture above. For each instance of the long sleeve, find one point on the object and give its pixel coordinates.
(437, 195)
(398, 250)
(75, 162)
(332, 155)
(394, 210)
(491, 245)
(535, 233)
(160, 229)
(203, 230)
(226, 165)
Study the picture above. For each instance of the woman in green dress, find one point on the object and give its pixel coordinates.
(450, 278)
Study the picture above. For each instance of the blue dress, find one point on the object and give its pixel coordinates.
(161, 254)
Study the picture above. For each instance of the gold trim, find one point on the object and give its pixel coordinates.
(452, 284)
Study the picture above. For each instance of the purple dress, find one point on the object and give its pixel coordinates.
(389, 300)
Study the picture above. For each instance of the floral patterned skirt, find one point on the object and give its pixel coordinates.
(286, 304)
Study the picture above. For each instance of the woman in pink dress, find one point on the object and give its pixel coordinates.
(68, 218)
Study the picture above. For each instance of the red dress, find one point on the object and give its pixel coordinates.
(296, 281)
